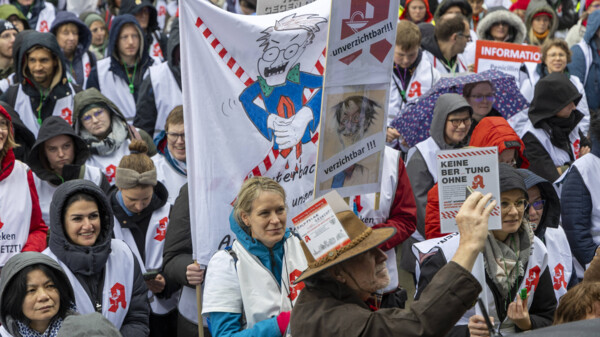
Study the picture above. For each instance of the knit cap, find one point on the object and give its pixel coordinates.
(6, 25)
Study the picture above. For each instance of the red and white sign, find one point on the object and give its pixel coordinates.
(504, 56)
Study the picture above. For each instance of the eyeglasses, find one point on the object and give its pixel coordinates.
(479, 98)
(88, 116)
(520, 205)
(172, 136)
(500, 23)
(457, 122)
(538, 205)
(466, 36)
(3, 124)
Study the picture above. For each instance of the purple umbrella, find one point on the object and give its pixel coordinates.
(414, 120)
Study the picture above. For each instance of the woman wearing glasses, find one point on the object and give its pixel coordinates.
(101, 124)
(501, 25)
(514, 259)
(544, 215)
(481, 97)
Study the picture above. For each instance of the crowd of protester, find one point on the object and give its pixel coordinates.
(93, 149)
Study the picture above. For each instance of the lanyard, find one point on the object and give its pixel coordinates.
(39, 108)
(131, 78)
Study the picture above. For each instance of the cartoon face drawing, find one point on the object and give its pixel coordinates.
(354, 116)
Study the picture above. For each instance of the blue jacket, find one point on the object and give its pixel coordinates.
(226, 324)
(577, 66)
(576, 212)
(76, 67)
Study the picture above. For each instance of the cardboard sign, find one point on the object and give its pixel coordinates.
(504, 56)
(320, 229)
(457, 169)
(360, 51)
(278, 6)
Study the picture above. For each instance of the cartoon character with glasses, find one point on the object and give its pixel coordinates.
(285, 119)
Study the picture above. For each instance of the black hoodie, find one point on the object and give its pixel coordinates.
(133, 7)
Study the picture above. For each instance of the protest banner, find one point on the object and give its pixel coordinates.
(355, 100)
(457, 169)
(252, 101)
(504, 56)
(278, 6)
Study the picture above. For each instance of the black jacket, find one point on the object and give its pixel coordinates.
(133, 7)
(23, 136)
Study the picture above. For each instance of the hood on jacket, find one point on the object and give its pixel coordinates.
(551, 216)
(516, 31)
(80, 260)
(510, 179)
(134, 6)
(16, 52)
(551, 94)
(92, 96)
(47, 41)
(23, 136)
(446, 4)
(445, 105)
(51, 127)
(88, 325)
(85, 35)
(173, 43)
(593, 24)
(10, 270)
(428, 16)
(33, 10)
(7, 11)
(538, 6)
(495, 131)
(113, 39)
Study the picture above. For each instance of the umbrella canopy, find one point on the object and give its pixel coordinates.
(414, 121)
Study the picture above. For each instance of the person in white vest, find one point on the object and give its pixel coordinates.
(74, 39)
(142, 218)
(253, 279)
(43, 89)
(443, 48)
(104, 273)
(552, 135)
(171, 167)
(580, 198)
(23, 228)
(59, 155)
(451, 121)
(12, 14)
(514, 259)
(585, 63)
(161, 90)
(412, 76)
(39, 13)
(100, 123)
(119, 76)
(99, 31)
(147, 16)
(544, 216)
(35, 295)
(8, 32)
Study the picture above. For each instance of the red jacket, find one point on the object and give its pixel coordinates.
(38, 230)
(428, 17)
(491, 131)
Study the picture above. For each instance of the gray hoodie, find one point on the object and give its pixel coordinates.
(14, 265)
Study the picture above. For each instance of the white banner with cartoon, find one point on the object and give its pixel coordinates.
(252, 101)
(360, 55)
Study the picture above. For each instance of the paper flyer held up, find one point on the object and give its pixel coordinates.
(457, 169)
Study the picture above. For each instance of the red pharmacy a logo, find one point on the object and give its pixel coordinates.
(117, 296)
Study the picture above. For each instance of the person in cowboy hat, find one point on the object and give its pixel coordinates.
(339, 297)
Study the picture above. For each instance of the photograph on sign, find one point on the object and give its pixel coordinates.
(364, 172)
(277, 6)
(459, 173)
(506, 57)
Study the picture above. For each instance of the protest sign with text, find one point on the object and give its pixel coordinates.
(504, 56)
(278, 6)
(360, 52)
(476, 168)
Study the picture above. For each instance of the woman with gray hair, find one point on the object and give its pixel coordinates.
(249, 287)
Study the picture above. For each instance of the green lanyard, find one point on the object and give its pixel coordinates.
(39, 108)
(131, 78)
(451, 67)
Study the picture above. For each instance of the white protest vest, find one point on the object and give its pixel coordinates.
(108, 164)
(46, 190)
(372, 214)
(87, 69)
(6, 82)
(537, 263)
(116, 89)
(560, 259)
(15, 212)
(423, 78)
(168, 176)
(167, 94)
(188, 307)
(459, 66)
(587, 55)
(4, 333)
(273, 298)
(155, 51)
(559, 156)
(161, 13)
(428, 149)
(155, 242)
(62, 108)
(118, 284)
(45, 18)
(589, 169)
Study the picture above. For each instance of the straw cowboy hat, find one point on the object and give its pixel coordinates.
(362, 238)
